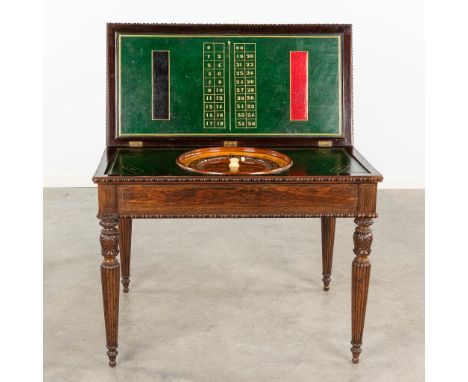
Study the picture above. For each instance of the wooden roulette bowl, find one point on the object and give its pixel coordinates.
(234, 161)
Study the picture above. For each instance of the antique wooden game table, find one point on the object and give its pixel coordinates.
(175, 88)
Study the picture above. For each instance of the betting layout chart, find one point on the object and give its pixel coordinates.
(176, 85)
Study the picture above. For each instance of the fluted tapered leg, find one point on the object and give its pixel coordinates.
(328, 239)
(110, 274)
(360, 282)
(125, 246)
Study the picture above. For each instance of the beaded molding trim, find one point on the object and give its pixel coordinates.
(231, 179)
(243, 216)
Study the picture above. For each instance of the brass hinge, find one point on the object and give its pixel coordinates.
(325, 143)
(229, 143)
(135, 143)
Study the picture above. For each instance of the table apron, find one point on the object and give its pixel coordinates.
(246, 199)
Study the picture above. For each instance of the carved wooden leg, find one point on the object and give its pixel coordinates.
(328, 238)
(360, 282)
(110, 274)
(125, 246)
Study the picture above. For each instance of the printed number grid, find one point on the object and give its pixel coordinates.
(245, 85)
(213, 86)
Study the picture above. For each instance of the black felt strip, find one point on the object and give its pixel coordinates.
(160, 85)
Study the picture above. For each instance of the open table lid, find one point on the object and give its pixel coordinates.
(200, 85)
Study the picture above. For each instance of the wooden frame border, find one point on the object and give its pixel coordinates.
(113, 29)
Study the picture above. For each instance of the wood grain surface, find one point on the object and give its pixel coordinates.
(238, 199)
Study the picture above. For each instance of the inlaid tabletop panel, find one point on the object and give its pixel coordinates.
(306, 162)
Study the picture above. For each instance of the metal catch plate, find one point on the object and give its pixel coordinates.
(325, 143)
(135, 143)
(229, 143)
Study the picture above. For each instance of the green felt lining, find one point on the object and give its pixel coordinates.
(187, 92)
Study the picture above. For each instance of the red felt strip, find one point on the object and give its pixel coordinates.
(299, 104)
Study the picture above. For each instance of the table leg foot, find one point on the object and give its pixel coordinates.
(356, 350)
(360, 282)
(125, 284)
(112, 354)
